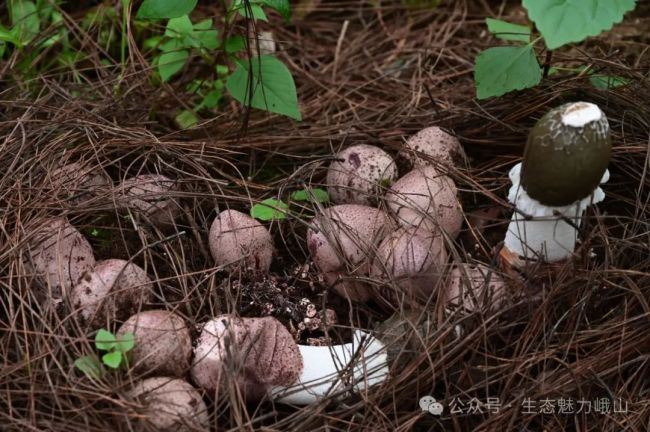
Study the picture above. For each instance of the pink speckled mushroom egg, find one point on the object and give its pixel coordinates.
(475, 287)
(432, 146)
(358, 174)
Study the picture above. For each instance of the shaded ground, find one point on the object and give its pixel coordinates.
(364, 75)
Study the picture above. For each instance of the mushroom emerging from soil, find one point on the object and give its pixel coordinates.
(150, 195)
(433, 145)
(565, 160)
(171, 405)
(358, 173)
(162, 342)
(330, 370)
(425, 197)
(238, 241)
(77, 181)
(60, 255)
(342, 243)
(475, 287)
(114, 290)
(411, 259)
(254, 353)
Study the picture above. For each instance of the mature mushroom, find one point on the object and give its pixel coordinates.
(425, 197)
(358, 174)
(77, 181)
(162, 342)
(432, 146)
(412, 260)
(257, 353)
(474, 287)
(238, 241)
(334, 370)
(114, 290)
(565, 159)
(170, 405)
(151, 196)
(342, 243)
(60, 255)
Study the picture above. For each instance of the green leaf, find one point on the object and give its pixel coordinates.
(500, 70)
(280, 6)
(508, 31)
(255, 10)
(171, 62)
(186, 119)
(273, 88)
(112, 359)
(205, 24)
(605, 82)
(171, 45)
(7, 36)
(152, 42)
(221, 70)
(90, 366)
(126, 342)
(318, 195)
(208, 39)
(161, 9)
(24, 17)
(234, 44)
(105, 340)
(270, 209)
(177, 27)
(211, 99)
(565, 21)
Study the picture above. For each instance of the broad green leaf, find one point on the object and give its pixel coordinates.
(152, 42)
(205, 24)
(186, 119)
(24, 18)
(500, 70)
(177, 27)
(565, 21)
(221, 70)
(208, 39)
(162, 9)
(211, 99)
(126, 342)
(112, 359)
(90, 366)
(171, 62)
(104, 340)
(605, 82)
(171, 45)
(270, 209)
(234, 44)
(7, 36)
(317, 194)
(508, 31)
(280, 6)
(255, 10)
(272, 89)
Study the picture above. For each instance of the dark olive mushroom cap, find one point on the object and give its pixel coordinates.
(567, 154)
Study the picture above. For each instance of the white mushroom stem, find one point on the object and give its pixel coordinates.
(332, 370)
(546, 235)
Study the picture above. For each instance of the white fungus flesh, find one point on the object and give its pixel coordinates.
(359, 174)
(151, 196)
(252, 353)
(237, 241)
(433, 146)
(170, 405)
(342, 243)
(113, 291)
(60, 255)
(424, 197)
(412, 261)
(163, 344)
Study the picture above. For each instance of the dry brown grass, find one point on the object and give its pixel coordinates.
(364, 75)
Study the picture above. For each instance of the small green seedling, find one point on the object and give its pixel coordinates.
(274, 209)
(503, 69)
(116, 349)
